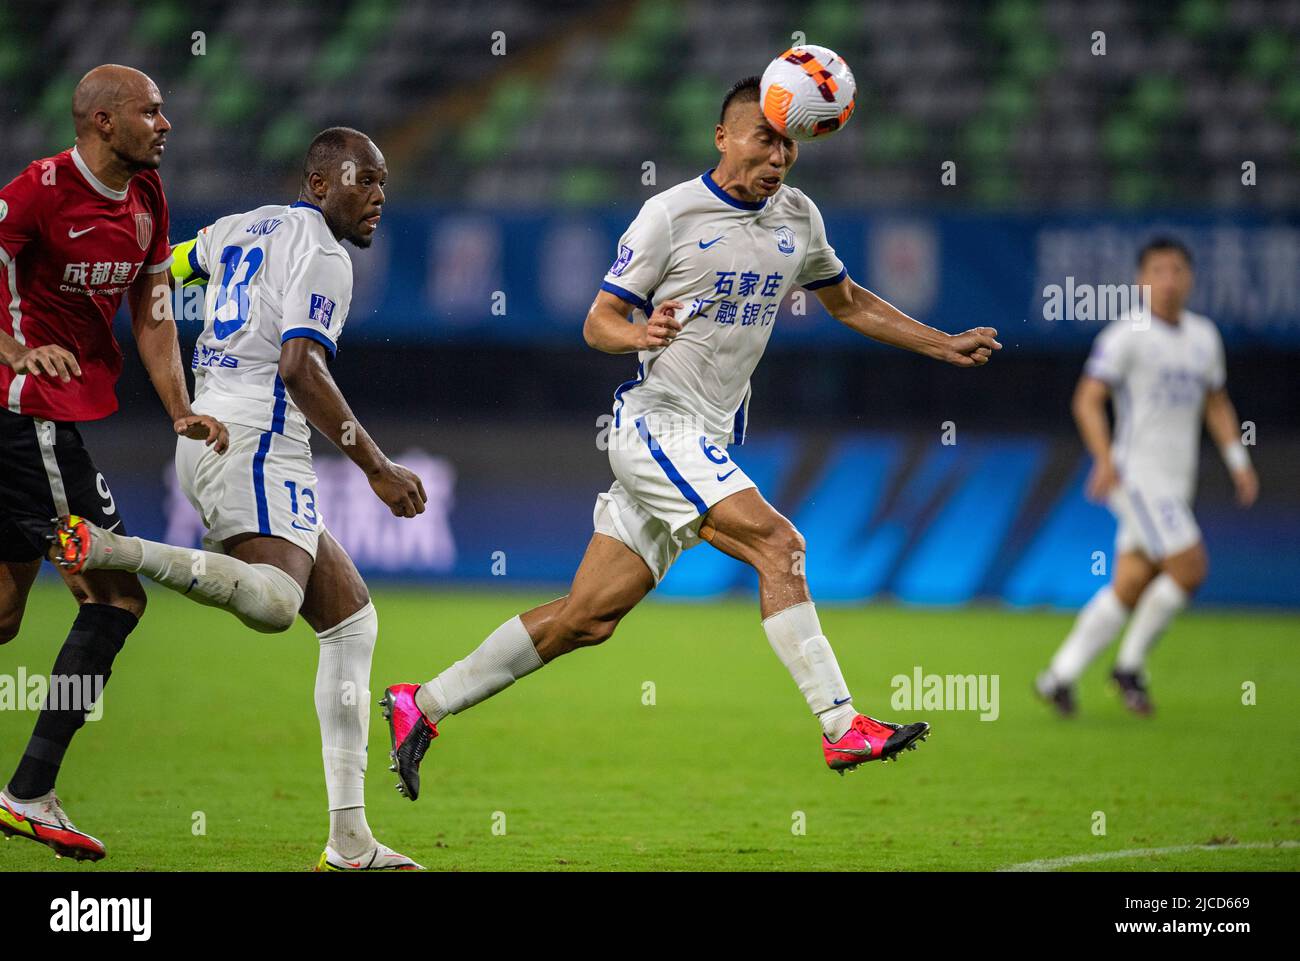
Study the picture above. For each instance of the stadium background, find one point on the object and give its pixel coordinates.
(515, 173)
(517, 157)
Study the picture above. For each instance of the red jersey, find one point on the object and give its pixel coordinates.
(70, 248)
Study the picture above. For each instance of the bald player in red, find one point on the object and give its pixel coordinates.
(78, 232)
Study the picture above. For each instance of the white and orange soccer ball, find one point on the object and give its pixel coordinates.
(808, 92)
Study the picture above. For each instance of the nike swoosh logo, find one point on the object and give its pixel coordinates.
(703, 245)
(298, 527)
(74, 234)
(26, 822)
(837, 702)
(722, 477)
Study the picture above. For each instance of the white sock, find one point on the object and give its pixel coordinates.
(264, 597)
(507, 655)
(349, 833)
(1094, 628)
(343, 708)
(1162, 599)
(796, 635)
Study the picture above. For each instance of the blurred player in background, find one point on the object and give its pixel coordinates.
(1162, 365)
(723, 249)
(279, 291)
(78, 232)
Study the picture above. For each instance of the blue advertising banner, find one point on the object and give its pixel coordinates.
(438, 275)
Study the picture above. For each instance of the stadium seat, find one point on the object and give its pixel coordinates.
(1009, 88)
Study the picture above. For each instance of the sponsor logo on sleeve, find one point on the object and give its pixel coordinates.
(321, 310)
(624, 258)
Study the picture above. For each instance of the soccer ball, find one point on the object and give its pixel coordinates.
(808, 92)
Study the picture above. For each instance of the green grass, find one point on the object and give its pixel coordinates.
(203, 715)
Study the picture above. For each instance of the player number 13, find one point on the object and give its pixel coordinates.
(308, 501)
(232, 258)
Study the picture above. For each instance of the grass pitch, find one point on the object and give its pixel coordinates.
(207, 757)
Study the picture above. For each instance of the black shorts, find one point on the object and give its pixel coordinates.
(46, 472)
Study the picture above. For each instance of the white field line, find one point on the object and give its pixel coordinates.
(1053, 864)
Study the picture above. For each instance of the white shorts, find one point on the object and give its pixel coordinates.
(1155, 524)
(263, 484)
(664, 485)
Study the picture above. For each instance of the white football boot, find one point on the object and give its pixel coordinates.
(379, 858)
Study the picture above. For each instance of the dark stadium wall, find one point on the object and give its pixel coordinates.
(793, 387)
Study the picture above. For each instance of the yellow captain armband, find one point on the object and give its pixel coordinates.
(185, 265)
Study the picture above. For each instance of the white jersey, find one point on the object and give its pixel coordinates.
(731, 262)
(275, 273)
(1159, 374)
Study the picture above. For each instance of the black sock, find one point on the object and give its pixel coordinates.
(97, 635)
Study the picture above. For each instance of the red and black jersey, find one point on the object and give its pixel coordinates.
(70, 248)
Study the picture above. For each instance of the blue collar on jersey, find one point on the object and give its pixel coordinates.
(303, 203)
(723, 195)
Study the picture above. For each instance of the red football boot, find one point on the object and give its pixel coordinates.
(872, 740)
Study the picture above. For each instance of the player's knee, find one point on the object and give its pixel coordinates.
(1191, 571)
(592, 633)
(784, 550)
(132, 600)
(269, 611)
(122, 591)
(281, 621)
(274, 617)
(273, 601)
(1129, 590)
(588, 631)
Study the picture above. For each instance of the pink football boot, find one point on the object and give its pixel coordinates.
(411, 733)
(872, 740)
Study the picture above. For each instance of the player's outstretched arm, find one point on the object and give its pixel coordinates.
(1089, 410)
(607, 327)
(1221, 421)
(154, 328)
(306, 375)
(861, 310)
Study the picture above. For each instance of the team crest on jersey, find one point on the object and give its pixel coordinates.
(785, 240)
(4, 210)
(624, 258)
(321, 310)
(143, 230)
